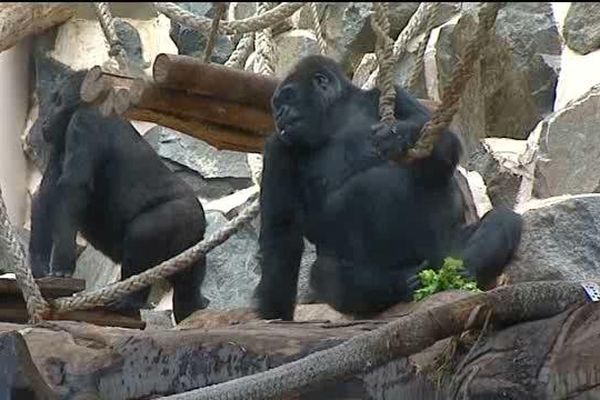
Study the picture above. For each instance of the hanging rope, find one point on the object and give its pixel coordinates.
(265, 50)
(242, 51)
(415, 23)
(318, 28)
(107, 24)
(383, 51)
(10, 247)
(463, 71)
(252, 24)
(100, 297)
(417, 72)
(214, 30)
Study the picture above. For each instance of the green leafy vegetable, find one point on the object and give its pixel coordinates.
(447, 277)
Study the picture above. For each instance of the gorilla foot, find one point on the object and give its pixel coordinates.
(60, 273)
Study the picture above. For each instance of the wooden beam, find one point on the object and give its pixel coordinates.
(191, 75)
(20, 20)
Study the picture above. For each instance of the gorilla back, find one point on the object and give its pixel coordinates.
(375, 224)
(105, 181)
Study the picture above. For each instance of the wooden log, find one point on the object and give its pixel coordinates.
(20, 20)
(50, 287)
(215, 81)
(19, 377)
(202, 108)
(221, 137)
(129, 364)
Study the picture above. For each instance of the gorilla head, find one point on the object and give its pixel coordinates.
(63, 102)
(302, 101)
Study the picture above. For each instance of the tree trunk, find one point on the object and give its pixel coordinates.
(551, 358)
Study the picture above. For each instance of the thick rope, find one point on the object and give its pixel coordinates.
(117, 51)
(220, 9)
(419, 65)
(265, 49)
(384, 53)
(318, 28)
(242, 51)
(100, 297)
(10, 247)
(411, 29)
(463, 71)
(252, 24)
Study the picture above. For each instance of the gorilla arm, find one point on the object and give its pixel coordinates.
(395, 140)
(281, 239)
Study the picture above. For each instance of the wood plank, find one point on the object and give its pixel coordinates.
(51, 287)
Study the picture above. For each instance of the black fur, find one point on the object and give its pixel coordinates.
(105, 181)
(375, 224)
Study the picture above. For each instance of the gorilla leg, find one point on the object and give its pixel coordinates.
(42, 220)
(489, 244)
(361, 290)
(157, 235)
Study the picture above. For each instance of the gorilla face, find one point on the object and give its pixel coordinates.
(62, 103)
(301, 102)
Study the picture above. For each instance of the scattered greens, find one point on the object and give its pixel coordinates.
(447, 277)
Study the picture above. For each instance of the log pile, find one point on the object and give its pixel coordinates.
(227, 108)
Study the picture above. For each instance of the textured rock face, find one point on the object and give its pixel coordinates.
(509, 99)
(560, 240)
(569, 148)
(582, 27)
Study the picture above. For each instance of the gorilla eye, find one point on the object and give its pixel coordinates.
(321, 80)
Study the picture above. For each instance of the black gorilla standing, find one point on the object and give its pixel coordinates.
(375, 224)
(105, 181)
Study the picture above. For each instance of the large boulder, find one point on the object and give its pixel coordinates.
(232, 269)
(513, 86)
(559, 241)
(210, 172)
(498, 160)
(568, 148)
(582, 27)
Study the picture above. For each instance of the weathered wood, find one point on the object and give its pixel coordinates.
(401, 338)
(19, 377)
(51, 287)
(215, 81)
(551, 358)
(221, 137)
(202, 108)
(20, 20)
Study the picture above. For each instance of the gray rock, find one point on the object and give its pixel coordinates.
(132, 43)
(193, 43)
(581, 29)
(497, 160)
(208, 189)
(232, 270)
(292, 46)
(348, 32)
(96, 269)
(569, 149)
(560, 240)
(197, 155)
(303, 18)
(513, 87)
(241, 10)
(157, 319)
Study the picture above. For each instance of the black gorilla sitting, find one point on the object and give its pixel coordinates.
(104, 180)
(375, 224)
